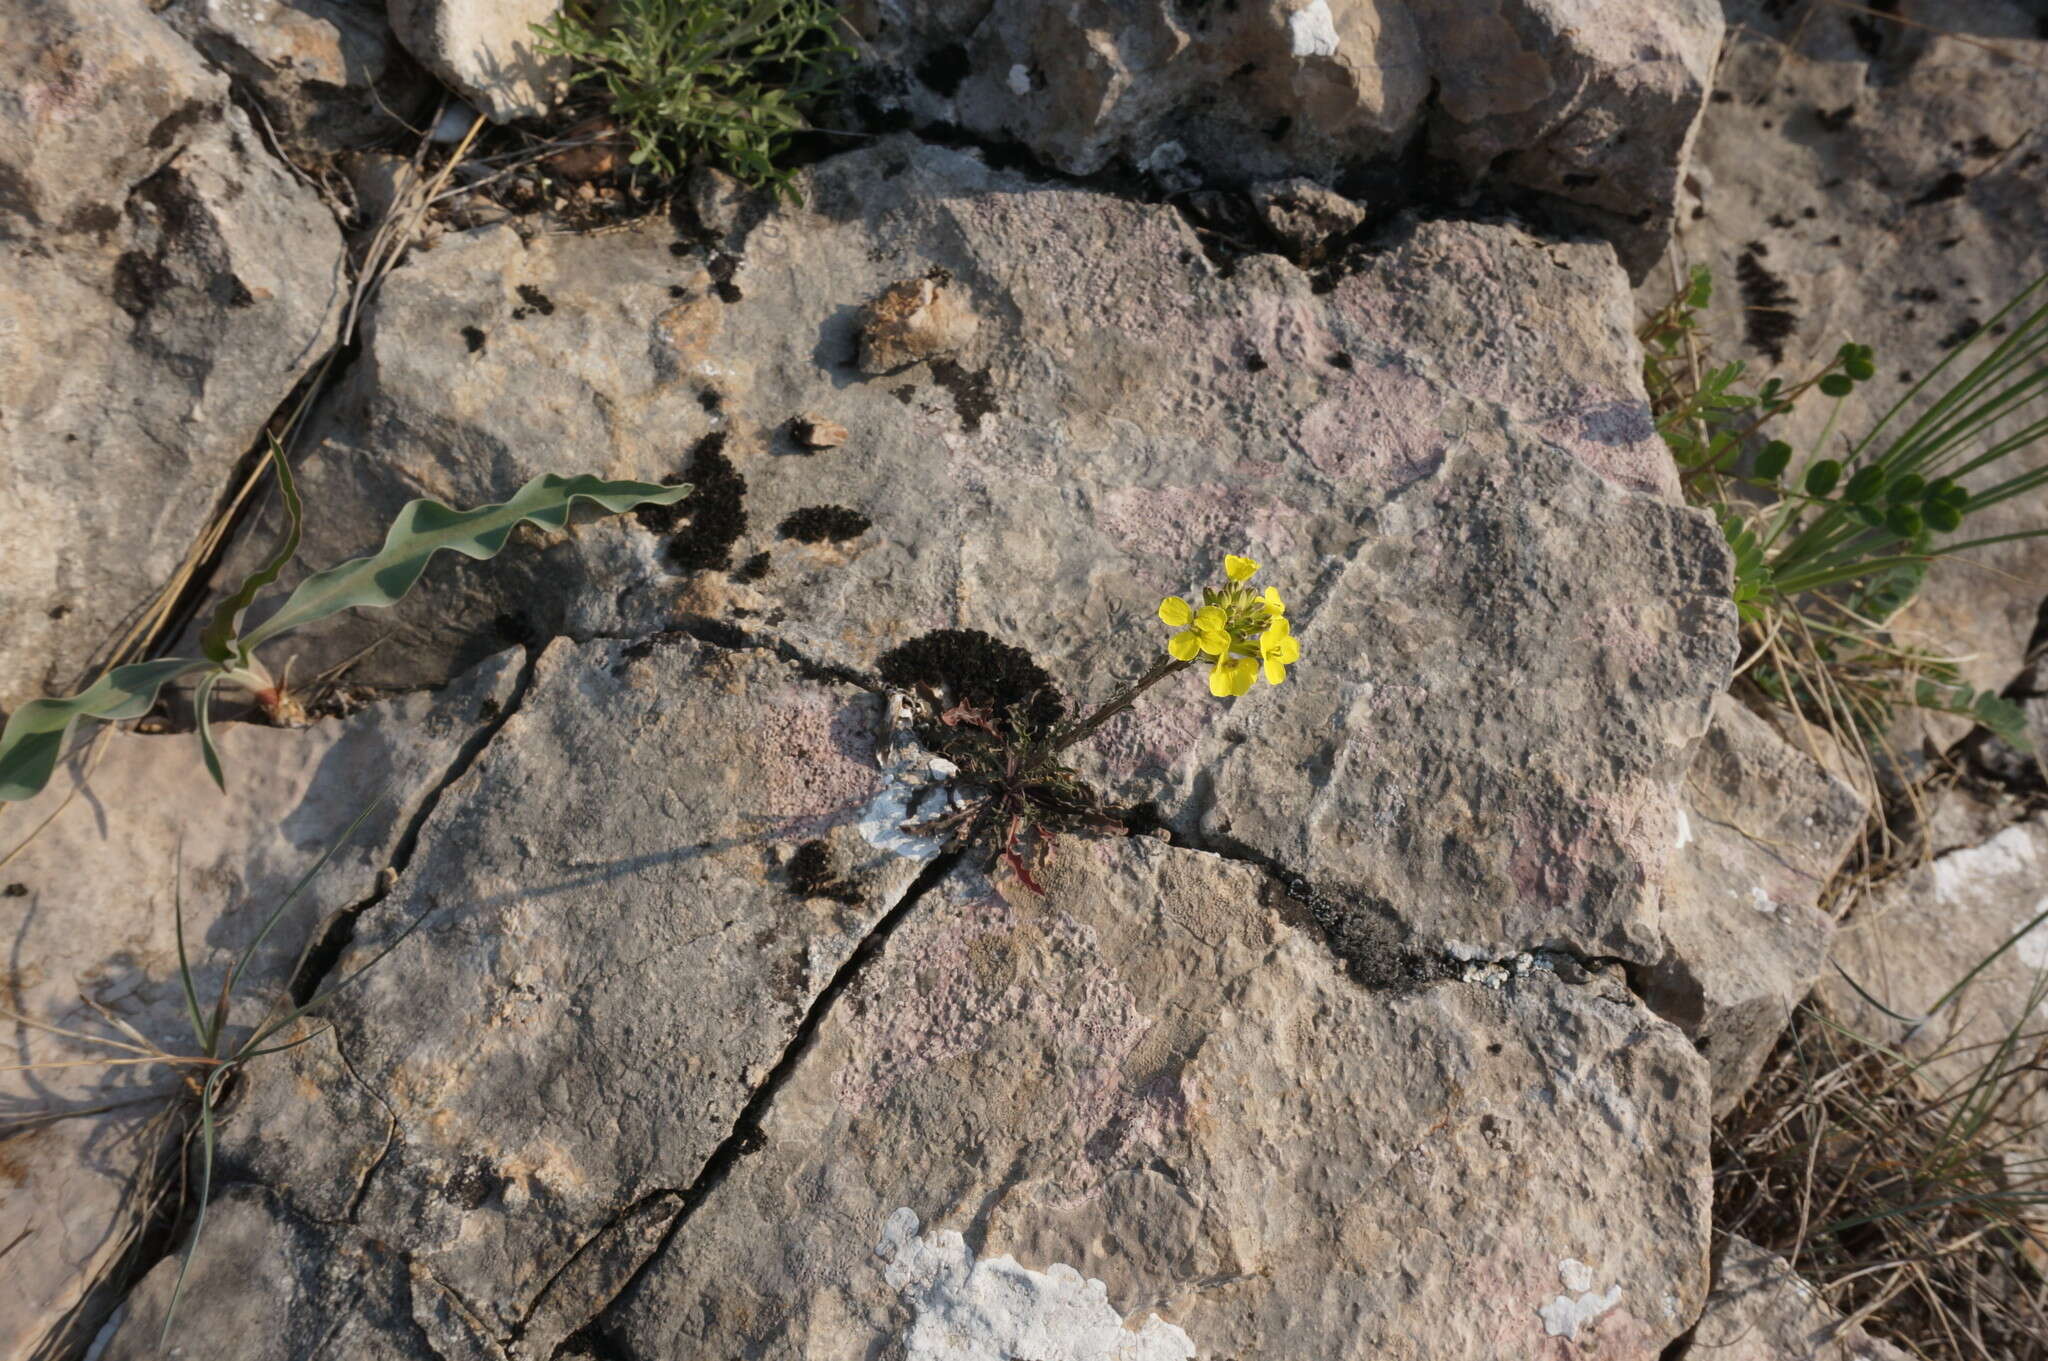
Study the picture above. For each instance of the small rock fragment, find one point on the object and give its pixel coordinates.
(1306, 216)
(913, 320)
(592, 151)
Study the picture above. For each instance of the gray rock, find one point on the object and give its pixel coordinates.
(1148, 1078)
(486, 51)
(1914, 937)
(1761, 1311)
(627, 933)
(1120, 419)
(1594, 105)
(89, 915)
(329, 73)
(1763, 829)
(163, 285)
(1304, 215)
(1897, 200)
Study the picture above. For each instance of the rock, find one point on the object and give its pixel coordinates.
(1916, 936)
(1421, 482)
(597, 154)
(621, 952)
(1140, 1117)
(1592, 104)
(1595, 104)
(912, 321)
(1148, 1079)
(163, 285)
(1894, 198)
(1761, 1311)
(1305, 216)
(486, 50)
(329, 73)
(1762, 830)
(89, 911)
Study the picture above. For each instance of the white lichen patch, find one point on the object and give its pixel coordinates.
(1020, 80)
(996, 1310)
(2009, 853)
(1684, 830)
(1312, 31)
(1565, 1315)
(1761, 901)
(1576, 1275)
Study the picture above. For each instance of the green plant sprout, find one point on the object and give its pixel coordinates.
(34, 736)
(1019, 792)
(725, 79)
(1827, 553)
(218, 1057)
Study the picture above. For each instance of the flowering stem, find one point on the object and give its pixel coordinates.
(1117, 703)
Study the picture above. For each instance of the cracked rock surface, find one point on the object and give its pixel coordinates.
(164, 282)
(1761, 1311)
(89, 916)
(1422, 482)
(615, 961)
(1152, 1077)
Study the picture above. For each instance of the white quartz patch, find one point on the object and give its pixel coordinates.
(996, 1310)
(1312, 30)
(1565, 1315)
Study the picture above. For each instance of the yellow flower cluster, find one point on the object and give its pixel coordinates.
(1242, 632)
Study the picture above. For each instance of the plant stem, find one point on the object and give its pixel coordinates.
(1117, 703)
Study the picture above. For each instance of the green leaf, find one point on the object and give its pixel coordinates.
(1903, 521)
(1775, 458)
(1864, 486)
(427, 527)
(1701, 291)
(34, 737)
(202, 705)
(1822, 476)
(1905, 488)
(1942, 517)
(218, 640)
(1837, 385)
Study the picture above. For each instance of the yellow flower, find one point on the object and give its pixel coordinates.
(1232, 676)
(1278, 650)
(1243, 633)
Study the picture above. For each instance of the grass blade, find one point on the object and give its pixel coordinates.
(218, 642)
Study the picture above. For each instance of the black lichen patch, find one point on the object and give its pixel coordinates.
(140, 281)
(476, 1183)
(1342, 360)
(708, 521)
(1255, 362)
(721, 268)
(905, 394)
(824, 524)
(1834, 120)
(1768, 316)
(474, 337)
(1966, 328)
(1947, 187)
(16, 890)
(753, 569)
(813, 875)
(98, 219)
(969, 665)
(944, 69)
(535, 301)
(974, 393)
(1367, 935)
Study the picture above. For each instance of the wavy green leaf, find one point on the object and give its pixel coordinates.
(424, 528)
(218, 642)
(34, 737)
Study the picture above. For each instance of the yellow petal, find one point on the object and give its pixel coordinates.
(1219, 679)
(1215, 642)
(1237, 568)
(1275, 670)
(1210, 618)
(1184, 646)
(1174, 612)
(1272, 600)
(1243, 671)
